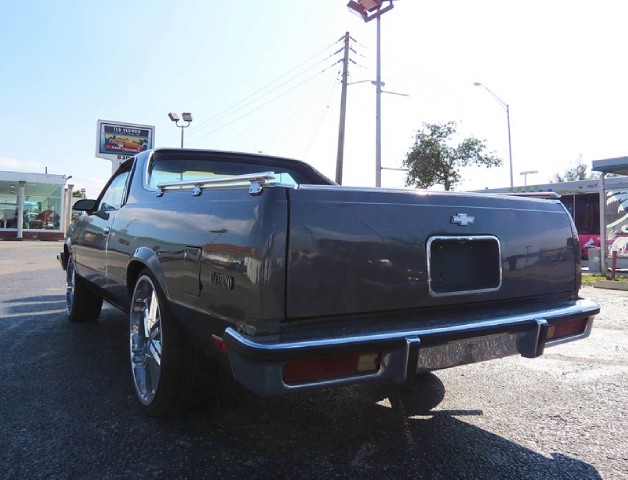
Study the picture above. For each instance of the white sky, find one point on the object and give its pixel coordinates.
(260, 76)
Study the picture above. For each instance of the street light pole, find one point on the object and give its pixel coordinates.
(378, 109)
(509, 142)
(187, 117)
(507, 107)
(368, 10)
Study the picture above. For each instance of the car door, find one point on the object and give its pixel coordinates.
(89, 249)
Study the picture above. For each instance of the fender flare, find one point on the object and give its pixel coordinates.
(145, 257)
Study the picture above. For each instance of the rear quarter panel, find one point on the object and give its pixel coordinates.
(222, 254)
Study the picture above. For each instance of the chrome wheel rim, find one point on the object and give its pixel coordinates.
(145, 340)
(70, 283)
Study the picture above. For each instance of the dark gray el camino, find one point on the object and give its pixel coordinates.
(297, 283)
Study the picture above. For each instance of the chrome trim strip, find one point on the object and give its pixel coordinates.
(428, 254)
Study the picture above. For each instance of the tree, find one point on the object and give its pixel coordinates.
(432, 161)
(577, 171)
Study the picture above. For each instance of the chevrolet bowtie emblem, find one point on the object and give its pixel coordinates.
(462, 219)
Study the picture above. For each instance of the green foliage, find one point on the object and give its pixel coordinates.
(432, 161)
(77, 194)
(578, 171)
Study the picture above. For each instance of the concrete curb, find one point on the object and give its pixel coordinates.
(611, 285)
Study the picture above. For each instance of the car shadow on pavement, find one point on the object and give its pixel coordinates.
(71, 412)
(368, 431)
(33, 305)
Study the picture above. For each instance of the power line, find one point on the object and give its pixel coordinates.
(276, 97)
(258, 94)
(322, 111)
(309, 100)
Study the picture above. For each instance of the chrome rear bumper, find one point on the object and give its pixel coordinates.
(258, 363)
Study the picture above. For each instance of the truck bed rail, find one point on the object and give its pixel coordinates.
(257, 181)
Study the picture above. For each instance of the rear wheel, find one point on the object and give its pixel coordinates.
(168, 375)
(81, 304)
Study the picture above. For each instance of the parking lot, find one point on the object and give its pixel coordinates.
(67, 407)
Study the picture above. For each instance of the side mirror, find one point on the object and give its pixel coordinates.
(84, 205)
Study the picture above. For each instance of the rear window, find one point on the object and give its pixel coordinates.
(184, 169)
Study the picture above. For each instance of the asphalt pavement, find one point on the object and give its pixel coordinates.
(67, 407)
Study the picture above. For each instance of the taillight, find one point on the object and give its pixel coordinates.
(219, 344)
(324, 368)
(567, 328)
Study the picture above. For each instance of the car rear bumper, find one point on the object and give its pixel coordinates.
(259, 363)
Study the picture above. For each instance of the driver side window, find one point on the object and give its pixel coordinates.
(114, 195)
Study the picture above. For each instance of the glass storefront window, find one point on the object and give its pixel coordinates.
(8, 210)
(42, 206)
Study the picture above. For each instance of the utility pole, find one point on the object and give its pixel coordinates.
(368, 10)
(378, 107)
(343, 110)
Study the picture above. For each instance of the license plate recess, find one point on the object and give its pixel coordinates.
(460, 265)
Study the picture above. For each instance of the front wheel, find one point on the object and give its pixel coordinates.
(81, 304)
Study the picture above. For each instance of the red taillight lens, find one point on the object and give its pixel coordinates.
(219, 344)
(567, 329)
(321, 368)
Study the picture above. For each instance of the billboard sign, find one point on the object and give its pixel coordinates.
(119, 141)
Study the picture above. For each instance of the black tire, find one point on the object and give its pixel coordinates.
(169, 376)
(81, 304)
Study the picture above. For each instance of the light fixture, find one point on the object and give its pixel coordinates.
(187, 117)
(525, 176)
(368, 9)
(370, 5)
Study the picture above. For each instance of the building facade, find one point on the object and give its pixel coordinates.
(34, 206)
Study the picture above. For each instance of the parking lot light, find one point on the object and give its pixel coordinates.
(187, 117)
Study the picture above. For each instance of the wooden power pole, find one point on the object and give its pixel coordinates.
(343, 110)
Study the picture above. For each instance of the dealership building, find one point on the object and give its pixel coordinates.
(34, 206)
(37, 206)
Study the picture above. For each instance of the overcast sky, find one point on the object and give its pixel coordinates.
(263, 76)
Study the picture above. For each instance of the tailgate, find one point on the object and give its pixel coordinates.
(353, 251)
